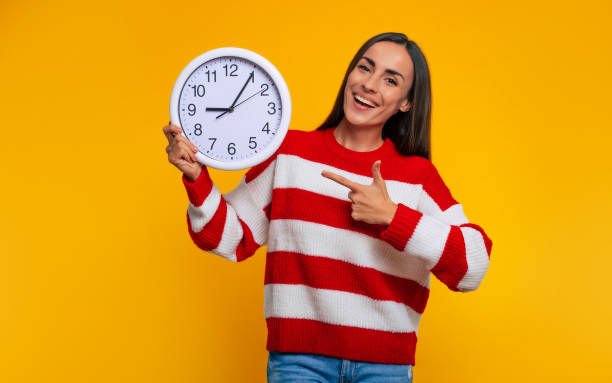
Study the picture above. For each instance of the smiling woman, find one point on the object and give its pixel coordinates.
(382, 89)
(356, 218)
(390, 73)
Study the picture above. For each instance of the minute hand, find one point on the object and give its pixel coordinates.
(242, 90)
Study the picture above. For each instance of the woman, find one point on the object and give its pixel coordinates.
(356, 218)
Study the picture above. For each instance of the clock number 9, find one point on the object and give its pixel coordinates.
(192, 109)
(231, 148)
(198, 90)
(272, 107)
(198, 129)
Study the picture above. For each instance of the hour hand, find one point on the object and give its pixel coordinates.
(218, 109)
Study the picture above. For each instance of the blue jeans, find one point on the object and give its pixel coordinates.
(285, 367)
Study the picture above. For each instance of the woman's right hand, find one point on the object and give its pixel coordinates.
(181, 152)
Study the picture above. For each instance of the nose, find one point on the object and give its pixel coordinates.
(369, 85)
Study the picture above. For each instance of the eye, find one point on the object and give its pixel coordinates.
(364, 67)
(392, 81)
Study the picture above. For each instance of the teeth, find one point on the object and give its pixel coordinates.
(364, 101)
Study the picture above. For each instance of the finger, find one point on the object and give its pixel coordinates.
(189, 143)
(176, 129)
(351, 195)
(378, 178)
(376, 175)
(341, 180)
(186, 155)
(170, 131)
(167, 133)
(179, 149)
(187, 150)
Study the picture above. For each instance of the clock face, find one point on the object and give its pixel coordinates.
(230, 108)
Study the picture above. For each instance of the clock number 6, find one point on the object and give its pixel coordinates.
(231, 148)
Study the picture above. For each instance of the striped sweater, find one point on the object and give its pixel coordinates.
(335, 286)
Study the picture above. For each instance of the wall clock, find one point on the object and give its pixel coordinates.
(234, 105)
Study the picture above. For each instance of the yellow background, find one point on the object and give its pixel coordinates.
(100, 282)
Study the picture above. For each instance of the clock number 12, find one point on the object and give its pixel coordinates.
(231, 74)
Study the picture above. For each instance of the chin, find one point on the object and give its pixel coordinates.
(359, 121)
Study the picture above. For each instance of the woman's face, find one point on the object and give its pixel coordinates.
(383, 77)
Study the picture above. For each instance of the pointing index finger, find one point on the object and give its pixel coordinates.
(341, 180)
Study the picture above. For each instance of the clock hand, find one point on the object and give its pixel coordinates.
(228, 110)
(242, 90)
(251, 96)
(231, 108)
(218, 109)
(235, 106)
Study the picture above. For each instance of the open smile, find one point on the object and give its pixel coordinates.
(363, 103)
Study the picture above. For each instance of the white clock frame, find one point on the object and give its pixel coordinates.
(281, 87)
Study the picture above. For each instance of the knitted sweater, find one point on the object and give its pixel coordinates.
(335, 286)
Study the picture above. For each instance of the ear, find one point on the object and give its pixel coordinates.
(405, 106)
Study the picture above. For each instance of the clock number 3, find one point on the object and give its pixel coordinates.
(272, 107)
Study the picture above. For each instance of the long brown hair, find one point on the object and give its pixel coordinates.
(410, 131)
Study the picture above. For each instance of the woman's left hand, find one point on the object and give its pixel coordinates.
(370, 203)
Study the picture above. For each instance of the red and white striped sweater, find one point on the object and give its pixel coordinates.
(335, 286)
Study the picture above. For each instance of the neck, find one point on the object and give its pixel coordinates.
(358, 139)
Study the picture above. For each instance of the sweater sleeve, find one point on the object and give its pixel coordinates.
(456, 251)
(233, 225)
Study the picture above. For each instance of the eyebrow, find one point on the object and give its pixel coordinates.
(391, 71)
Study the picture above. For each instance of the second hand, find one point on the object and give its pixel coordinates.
(248, 98)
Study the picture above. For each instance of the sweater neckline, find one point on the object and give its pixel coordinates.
(386, 149)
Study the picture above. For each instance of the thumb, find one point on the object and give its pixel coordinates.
(376, 174)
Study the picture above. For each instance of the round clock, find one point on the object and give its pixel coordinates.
(232, 104)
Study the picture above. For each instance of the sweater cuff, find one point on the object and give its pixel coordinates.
(399, 231)
(198, 190)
